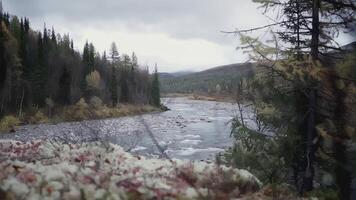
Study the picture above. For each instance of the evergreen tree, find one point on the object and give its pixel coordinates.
(53, 37)
(86, 58)
(132, 77)
(3, 64)
(124, 94)
(310, 28)
(39, 77)
(115, 57)
(155, 91)
(91, 60)
(63, 96)
(113, 87)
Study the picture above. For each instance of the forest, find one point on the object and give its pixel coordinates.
(43, 75)
(221, 79)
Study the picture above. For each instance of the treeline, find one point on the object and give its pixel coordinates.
(42, 69)
(218, 80)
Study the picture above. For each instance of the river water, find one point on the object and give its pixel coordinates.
(192, 129)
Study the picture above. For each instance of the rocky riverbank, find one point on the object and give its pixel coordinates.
(54, 170)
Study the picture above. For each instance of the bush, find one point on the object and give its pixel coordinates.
(96, 102)
(79, 111)
(8, 122)
(38, 118)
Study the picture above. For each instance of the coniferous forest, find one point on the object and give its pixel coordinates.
(42, 70)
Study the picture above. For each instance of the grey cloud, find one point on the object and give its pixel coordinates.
(182, 19)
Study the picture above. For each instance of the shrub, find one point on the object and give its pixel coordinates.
(8, 122)
(96, 102)
(79, 111)
(38, 118)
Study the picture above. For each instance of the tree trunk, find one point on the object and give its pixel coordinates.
(312, 102)
(21, 103)
(311, 146)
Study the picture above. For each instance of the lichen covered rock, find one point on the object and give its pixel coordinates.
(47, 169)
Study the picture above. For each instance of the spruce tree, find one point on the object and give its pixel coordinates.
(124, 94)
(39, 76)
(63, 96)
(3, 64)
(155, 89)
(113, 87)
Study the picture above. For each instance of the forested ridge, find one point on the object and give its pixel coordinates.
(221, 79)
(41, 69)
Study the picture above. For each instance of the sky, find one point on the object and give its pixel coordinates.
(178, 35)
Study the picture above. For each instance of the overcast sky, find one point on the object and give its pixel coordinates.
(176, 34)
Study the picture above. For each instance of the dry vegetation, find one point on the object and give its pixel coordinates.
(82, 110)
(202, 97)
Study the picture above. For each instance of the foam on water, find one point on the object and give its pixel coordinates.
(138, 148)
(190, 151)
(192, 142)
(191, 136)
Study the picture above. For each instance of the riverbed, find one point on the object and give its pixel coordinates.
(191, 129)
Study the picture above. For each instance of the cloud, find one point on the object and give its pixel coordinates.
(176, 34)
(162, 49)
(183, 18)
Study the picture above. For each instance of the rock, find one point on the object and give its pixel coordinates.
(12, 129)
(164, 108)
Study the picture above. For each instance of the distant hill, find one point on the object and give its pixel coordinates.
(174, 74)
(206, 81)
(165, 75)
(227, 76)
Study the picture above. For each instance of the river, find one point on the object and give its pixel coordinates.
(192, 129)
